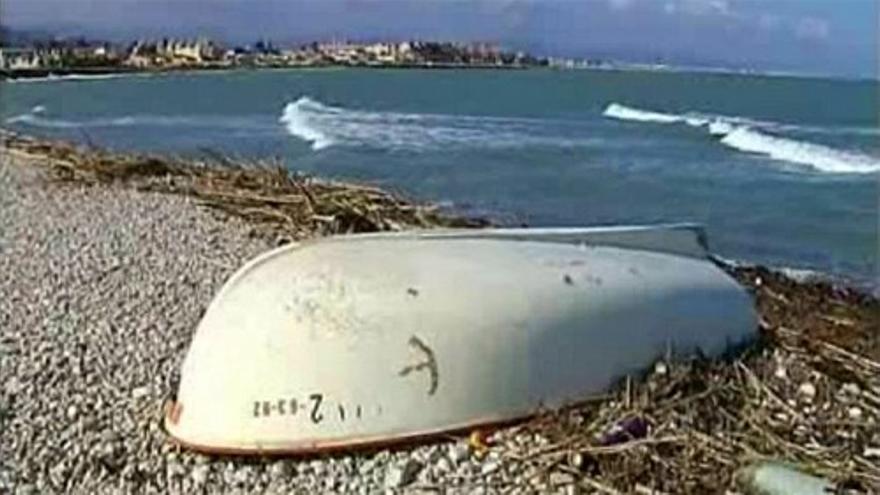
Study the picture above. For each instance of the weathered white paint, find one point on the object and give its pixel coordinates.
(388, 336)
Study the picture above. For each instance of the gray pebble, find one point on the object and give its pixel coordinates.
(199, 475)
(101, 289)
(400, 475)
(459, 452)
(279, 470)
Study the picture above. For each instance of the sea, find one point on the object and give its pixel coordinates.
(782, 171)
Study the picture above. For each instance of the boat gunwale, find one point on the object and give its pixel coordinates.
(310, 447)
(499, 234)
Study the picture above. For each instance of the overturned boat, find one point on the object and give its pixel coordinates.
(369, 339)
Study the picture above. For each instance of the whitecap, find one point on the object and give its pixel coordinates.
(819, 157)
(39, 116)
(720, 128)
(751, 136)
(301, 119)
(51, 78)
(323, 125)
(622, 112)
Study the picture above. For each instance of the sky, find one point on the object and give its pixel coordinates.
(831, 37)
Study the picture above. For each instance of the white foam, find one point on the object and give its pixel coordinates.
(33, 120)
(622, 112)
(69, 77)
(801, 274)
(302, 119)
(720, 128)
(324, 125)
(749, 135)
(817, 156)
(39, 116)
(695, 121)
(85, 77)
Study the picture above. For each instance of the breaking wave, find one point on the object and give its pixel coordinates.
(752, 136)
(38, 116)
(323, 126)
(818, 156)
(622, 112)
(303, 119)
(71, 77)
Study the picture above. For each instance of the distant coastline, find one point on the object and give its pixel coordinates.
(70, 58)
(65, 72)
(81, 57)
(68, 73)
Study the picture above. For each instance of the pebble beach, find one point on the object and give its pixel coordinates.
(103, 284)
(101, 290)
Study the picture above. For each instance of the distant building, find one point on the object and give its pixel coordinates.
(189, 53)
(340, 52)
(141, 54)
(20, 58)
(172, 52)
(196, 51)
(379, 52)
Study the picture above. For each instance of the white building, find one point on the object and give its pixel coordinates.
(19, 58)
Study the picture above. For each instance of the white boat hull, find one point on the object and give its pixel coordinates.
(369, 339)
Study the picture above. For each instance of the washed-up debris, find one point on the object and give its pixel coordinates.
(632, 428)
(291, 205)
(709, 418)
(775, 478)
(478, 442)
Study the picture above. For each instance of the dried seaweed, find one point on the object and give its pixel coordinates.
(266, 193)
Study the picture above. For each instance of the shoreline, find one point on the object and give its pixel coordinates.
(71, 73)
(109, 260)
(859, 280)
(60, 73)
(53, 149)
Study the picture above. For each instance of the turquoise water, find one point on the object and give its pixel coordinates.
(783, 171)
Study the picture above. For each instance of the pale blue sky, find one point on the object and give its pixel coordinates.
(837, 37)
